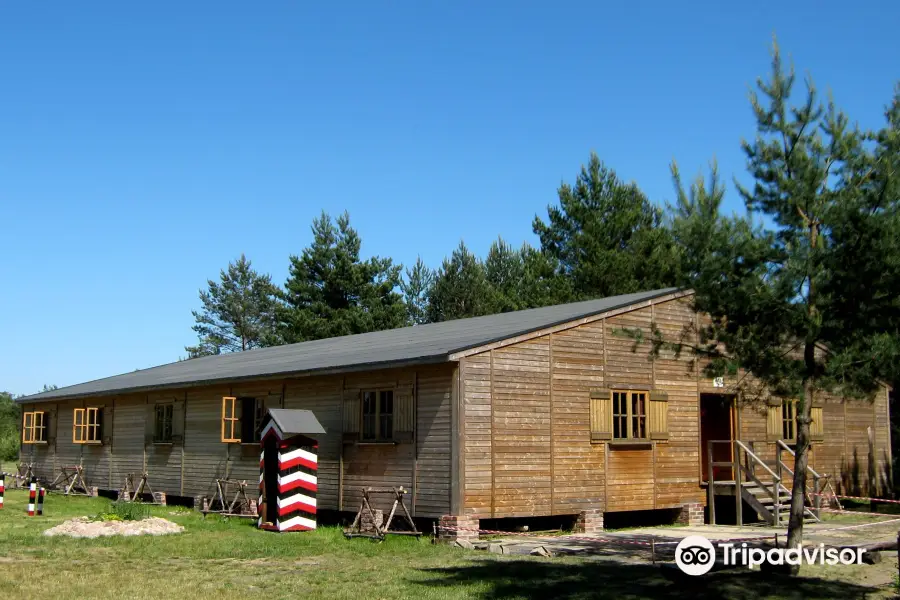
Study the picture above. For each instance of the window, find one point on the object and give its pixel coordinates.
(378, 415)
(386, 414)
(34, 428)
(789, 420)
(86, 426)
(162, 428)
(252, 412)
(241, 418)
(629, 415)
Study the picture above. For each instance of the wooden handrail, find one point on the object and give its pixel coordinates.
(816, 501)
(757, 459)
(788, 448)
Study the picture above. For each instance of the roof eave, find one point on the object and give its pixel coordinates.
(426, 360)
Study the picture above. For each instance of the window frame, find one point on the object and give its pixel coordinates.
(789, 419)
(378, 416)
(34, 427)
(230, 420)
(160, 437)
(87, 429)
(233, 422)
(641, 419)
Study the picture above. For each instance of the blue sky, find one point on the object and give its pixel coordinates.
(143, 146)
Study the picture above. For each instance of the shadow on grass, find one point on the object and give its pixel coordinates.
(536, 580)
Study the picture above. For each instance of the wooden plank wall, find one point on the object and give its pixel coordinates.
(162, 461)
(206, 458)
(527, 424)
(372, 465)
(846, 454)
(478, 474)
(190, 468)
(322, 395)
(579, 479)
(432, 491)
(67, 453)
(631, 475)
(521, 429)
(677, 459)
(128, 439)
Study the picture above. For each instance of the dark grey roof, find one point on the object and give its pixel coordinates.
(295, 421)
(421, 344)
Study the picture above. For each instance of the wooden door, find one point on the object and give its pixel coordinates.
(717, 423)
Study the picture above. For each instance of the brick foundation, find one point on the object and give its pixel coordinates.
(589, 521)
(467, 526)
(201, 503)
(691, 514)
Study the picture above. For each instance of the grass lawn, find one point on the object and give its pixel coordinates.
(219, 560)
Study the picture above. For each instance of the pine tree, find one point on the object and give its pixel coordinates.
(523, 278)
(460, 288)
(542, 284)
(696, 221)
(805, 299)
(415, 288)
(331, 291)
(10, 417)
(504, 269)
(238, 312)
(607, 237)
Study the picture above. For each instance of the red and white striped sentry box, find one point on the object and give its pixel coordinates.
(2, 487)
(40, 502)
(288, 470)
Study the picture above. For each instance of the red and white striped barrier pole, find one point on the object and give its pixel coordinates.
(40, 502)
(32, 493)
(862, 498)
(2, 484)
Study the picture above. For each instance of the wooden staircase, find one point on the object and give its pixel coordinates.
(773, 510)
(765, 486)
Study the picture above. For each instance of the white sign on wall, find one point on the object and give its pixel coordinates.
(718, 382)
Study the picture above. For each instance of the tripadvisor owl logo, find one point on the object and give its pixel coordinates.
(695, 555)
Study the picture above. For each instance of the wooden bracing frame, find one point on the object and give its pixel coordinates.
(71, 481)
(24, 473)
(231, 499)
(380, 532)
(132, 493)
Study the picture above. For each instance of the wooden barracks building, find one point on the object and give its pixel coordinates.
(548, 411)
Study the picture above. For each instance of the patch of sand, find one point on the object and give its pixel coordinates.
(82, 527)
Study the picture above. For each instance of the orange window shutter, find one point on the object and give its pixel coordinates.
(228, 419)
(27, 428)
(659, 415)
(817, 427)
(78, 426)
(601, 415)
(773, 422)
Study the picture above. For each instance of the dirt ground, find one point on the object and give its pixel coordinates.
(656, 546)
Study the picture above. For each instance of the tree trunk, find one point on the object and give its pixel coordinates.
(801, 461)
